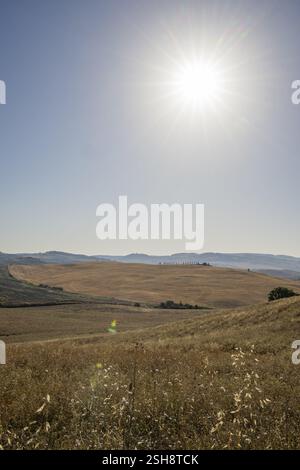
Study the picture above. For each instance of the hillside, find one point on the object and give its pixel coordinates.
(15, 293)
(78, 319)
(168, 379)
(210, 286)
(222, 380)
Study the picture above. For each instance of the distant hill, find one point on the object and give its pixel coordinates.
(6, 259)
(236, 260)
(49, 257)
(273, 265)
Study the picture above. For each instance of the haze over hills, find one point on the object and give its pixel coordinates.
(273, 265)
(49, 257)
(255, 261)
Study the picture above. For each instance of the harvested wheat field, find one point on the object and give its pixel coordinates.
(64, 321)
(203, 285)
(224, 380)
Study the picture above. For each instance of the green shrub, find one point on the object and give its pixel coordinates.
(281, 293)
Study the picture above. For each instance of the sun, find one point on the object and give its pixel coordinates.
(198, 83)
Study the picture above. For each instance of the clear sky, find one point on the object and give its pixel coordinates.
(91, 115)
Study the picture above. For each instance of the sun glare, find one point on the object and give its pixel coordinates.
(198, 83)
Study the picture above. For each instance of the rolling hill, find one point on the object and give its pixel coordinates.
(15, 293)
(203, 285)
(254, 261)
(273, 265)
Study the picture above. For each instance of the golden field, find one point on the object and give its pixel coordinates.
(203, 285)
(188, 379)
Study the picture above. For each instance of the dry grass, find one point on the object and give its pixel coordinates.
(65, 321)
(217, 287)
(223, 380)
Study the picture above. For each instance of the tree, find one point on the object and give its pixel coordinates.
(281, 293)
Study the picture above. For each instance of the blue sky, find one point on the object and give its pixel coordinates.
(86, 120)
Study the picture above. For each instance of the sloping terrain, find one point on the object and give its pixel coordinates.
(167, 379)
(203, 285)
(21, 293)
(14, 293)
(224, 380)
(281, 273)
(81, 319)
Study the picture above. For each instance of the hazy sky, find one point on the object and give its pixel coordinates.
(90, 116)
